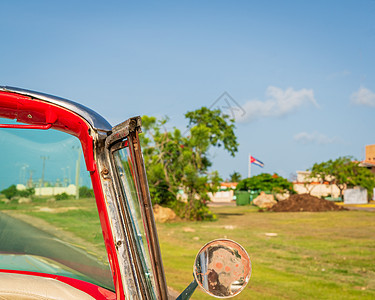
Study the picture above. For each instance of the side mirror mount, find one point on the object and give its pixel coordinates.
(222, 269)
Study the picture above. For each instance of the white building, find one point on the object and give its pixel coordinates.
(313, 186)
(225, 193)
(51, 190)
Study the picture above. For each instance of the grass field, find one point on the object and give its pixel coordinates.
(327, 255)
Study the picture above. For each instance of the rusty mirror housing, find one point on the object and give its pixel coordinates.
(222, 268)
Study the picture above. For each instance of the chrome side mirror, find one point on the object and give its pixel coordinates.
(222, 268)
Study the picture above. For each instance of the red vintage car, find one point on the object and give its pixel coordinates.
(40, 135)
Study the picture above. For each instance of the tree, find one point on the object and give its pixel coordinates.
(344, 172)
(178, 165)
(12, 191)
(266, 182)
(235, 177)
(309, 186)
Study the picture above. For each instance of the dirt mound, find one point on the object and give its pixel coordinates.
(305, 202)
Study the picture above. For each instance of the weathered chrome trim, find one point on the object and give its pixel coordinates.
(130, 281)
(130, 129)
(92, 117)
(123, 129)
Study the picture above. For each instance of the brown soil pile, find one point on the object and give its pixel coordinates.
(304, 202)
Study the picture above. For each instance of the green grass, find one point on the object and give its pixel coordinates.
(327, 255)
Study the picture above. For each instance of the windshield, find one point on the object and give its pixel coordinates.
(48, 216)
(125, 172)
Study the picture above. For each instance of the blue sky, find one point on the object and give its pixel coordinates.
(22, 159)
(301, 71)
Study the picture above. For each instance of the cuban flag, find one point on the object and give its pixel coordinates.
(255, 161)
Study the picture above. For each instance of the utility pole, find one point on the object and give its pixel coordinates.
(64, 180)
(69, 179)
(30, 183)
(23, 174)
(249, 162)
(43, 169)
(77, 170)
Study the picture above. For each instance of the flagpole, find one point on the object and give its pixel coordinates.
(249, 171)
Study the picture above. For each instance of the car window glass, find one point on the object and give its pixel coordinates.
(49, 221)
(125, 171)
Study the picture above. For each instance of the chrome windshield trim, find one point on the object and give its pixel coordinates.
(129, 130)
(92, 117)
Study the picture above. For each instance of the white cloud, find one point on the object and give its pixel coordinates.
(278, 103)
(314, 138)
(363, 97)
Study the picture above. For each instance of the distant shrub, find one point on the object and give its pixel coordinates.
(85, 192)
(267, 183)
(26, 193)
(12, 192)
(62, 196)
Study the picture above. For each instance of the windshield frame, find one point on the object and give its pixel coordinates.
(35, 108)
(126, 135)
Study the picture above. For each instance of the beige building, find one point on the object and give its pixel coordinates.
(51, 191)
(369, 161)
(312, 186)
(225, 193)
(370, 153)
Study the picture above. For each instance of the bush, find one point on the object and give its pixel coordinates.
(12, 192)
(62, 196)
(85, 192)
(161, 195)
(26, 193)
(266, 182)
(201, 211)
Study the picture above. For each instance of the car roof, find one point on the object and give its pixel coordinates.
(92, 117)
